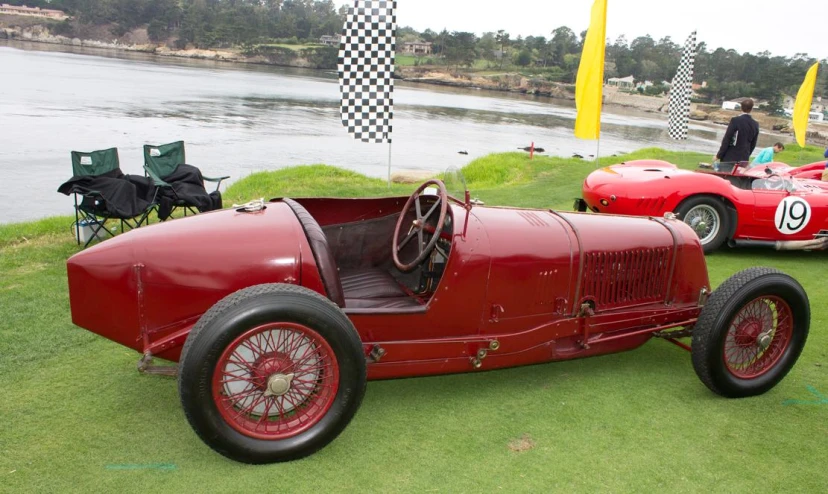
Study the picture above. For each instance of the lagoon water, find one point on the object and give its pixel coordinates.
(238, 119)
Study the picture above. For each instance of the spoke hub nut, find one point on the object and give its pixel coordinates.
(278, 384)
(764, 340)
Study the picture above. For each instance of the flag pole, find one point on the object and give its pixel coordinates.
(389, 164)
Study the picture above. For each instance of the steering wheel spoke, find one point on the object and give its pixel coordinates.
(431, 211)
(407, 238)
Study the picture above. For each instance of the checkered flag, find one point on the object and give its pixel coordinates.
(681, 90)
(366, 69)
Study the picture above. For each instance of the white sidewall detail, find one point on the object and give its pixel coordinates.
(792, 215)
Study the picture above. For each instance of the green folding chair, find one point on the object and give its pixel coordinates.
(161, 161)
(91, 210)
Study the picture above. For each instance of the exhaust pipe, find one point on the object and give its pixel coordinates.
(820, 243)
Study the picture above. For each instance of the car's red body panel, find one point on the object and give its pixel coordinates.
(653, 187)
(526, 285)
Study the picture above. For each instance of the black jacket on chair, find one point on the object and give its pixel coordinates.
(739, 140)
(116, 195)
(186, 187)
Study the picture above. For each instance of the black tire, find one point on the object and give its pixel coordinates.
(767, 288)
(231, 318)
(711, 206)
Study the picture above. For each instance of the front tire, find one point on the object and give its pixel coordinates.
(750, 333)
(707, 216)
(271, 373)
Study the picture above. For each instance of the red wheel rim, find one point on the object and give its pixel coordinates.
(757, 337)
(275, 381)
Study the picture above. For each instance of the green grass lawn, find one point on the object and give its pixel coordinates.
(76, 416)
(401, 60)
(296, 47)
(406, 60)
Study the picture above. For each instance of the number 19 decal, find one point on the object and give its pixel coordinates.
(792, 215)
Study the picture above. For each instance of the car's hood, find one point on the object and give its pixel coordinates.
(615, 260)
(636, 171)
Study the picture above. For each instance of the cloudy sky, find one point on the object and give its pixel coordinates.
(782, 27)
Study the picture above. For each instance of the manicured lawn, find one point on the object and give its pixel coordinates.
(296, 47)
(76, 416)
(406, 60)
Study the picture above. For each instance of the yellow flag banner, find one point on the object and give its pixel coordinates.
(802, 107)
(589, 84)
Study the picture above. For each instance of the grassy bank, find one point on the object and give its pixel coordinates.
(76, 416)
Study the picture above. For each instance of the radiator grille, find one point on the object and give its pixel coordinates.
(614, 279)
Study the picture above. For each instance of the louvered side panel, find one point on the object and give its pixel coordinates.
(629, 277)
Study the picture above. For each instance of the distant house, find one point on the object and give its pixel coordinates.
(328, 40)
(817, 104)
(417, 48)
(58, 15)
(644, 85)
(736, 103)
(622, 82)
(813, 116)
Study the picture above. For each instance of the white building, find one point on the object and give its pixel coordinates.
(7, 9)
(813, 116)
(622, 82)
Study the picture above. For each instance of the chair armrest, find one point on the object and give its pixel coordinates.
(216, 179)
(84, 192)
(155, 178)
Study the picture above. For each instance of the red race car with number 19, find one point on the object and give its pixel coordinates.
(770, 205)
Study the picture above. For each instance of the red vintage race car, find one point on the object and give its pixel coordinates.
(771, 205)
(277, 313)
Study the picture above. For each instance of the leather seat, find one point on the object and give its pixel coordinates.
(370, 283)
(363, 289)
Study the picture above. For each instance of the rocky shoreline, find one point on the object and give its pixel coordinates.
(137, 41)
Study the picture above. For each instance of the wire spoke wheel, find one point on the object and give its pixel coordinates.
(750, 332)
(271, 373)
(275, 381)
(709, 219)
(758, 336)
(705, 221)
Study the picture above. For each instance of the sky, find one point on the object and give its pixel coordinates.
(780, 27)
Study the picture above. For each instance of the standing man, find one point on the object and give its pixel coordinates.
(741, 136)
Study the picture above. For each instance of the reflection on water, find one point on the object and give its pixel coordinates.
(238, 119)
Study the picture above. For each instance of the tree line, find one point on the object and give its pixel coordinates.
(206, 23)
(726, 73)
(251, 24)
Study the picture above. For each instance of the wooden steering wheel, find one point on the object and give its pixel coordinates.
(416, 227)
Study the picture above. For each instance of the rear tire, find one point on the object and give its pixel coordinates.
(712, 212)
(750, 333)
(271, 373)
